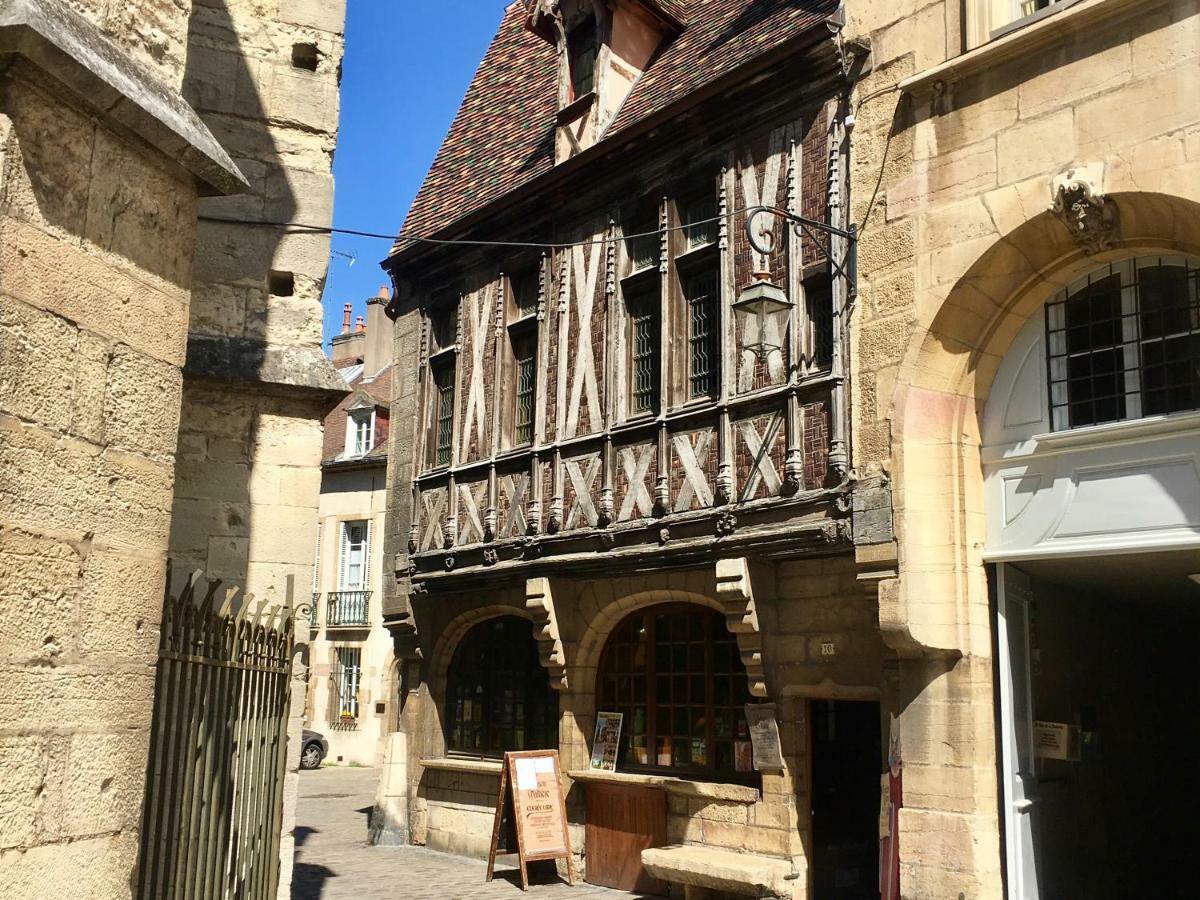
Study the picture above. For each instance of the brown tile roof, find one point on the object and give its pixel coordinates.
(503, 134)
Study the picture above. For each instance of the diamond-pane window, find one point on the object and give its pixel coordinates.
(644, 333)
(525, 354)
(444, 424)
(700, 289)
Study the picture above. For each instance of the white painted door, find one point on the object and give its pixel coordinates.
(1016, 725)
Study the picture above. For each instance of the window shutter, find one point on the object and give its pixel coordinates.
(317, 562)
(366, 578)
(344, 556)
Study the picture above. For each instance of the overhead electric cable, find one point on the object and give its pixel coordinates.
(303, 228)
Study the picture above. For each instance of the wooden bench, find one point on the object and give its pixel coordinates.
(706, 870)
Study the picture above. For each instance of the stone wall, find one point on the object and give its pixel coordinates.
(264, 77)
(95, 269)
(952, 187)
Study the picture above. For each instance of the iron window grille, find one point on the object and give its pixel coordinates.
(675, 673)
(525, 353)
(1124, 342)
(345, 680)
(443, 379)
(498, 695)
(700, 290)
(818, 301)
(645, 351)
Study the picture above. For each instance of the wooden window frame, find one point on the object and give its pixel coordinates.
(610, 676)
(587, 27)
(521, 315)
(474, 657)
(441, 368)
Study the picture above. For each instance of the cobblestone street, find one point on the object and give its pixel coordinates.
(334, 860)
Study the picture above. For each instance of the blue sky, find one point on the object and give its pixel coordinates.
(407, 66)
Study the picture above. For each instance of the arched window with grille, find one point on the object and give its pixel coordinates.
(675, 674)
(498, 695)
(1124, 342)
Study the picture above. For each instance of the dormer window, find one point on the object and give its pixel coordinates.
(582, 48)
(360, 432)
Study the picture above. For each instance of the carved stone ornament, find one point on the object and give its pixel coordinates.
(736, 593)
(490, 556)
(539, 601)
(1089, 215)
(664, 535)
(726, 524)
(604, 515)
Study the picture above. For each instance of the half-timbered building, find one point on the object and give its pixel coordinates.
(617, 482)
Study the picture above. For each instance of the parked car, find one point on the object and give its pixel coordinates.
(313, 749)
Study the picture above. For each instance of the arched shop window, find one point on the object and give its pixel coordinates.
(675, 673)
(498, 695)
(1124, 342)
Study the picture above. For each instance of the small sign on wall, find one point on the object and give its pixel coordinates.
(764, 737)
(1056, 740)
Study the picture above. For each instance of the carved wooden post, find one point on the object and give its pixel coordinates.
(839, 450)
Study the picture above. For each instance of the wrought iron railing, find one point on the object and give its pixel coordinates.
(348, 609)
(312, 611)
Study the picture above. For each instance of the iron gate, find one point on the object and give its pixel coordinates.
(218, 752)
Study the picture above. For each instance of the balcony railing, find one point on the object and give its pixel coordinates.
(348, 609)
(312, 611)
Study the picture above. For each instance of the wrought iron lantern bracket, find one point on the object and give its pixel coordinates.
(846, 268)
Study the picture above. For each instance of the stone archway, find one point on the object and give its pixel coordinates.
(936, 615)
(940, 602)
(579, 711)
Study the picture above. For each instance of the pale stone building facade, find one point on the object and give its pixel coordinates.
(350, 692)
(1027, 176)
(103, 164)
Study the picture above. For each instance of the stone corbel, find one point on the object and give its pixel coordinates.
(539, 600)
(736, 593)
(1090, 215)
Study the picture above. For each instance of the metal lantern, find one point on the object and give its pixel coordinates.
(763, 310)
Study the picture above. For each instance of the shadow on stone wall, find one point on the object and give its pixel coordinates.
(256, 383)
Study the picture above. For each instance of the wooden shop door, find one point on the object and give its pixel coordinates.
(623, 821)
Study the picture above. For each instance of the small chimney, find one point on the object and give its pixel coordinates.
(378, 353)
(359, 327)
(346, 318)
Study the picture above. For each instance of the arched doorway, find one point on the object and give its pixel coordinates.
(1091, 459)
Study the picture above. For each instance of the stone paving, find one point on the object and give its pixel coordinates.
(334, 860)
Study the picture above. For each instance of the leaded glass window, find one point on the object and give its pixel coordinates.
(498, 695)
(675, 674)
